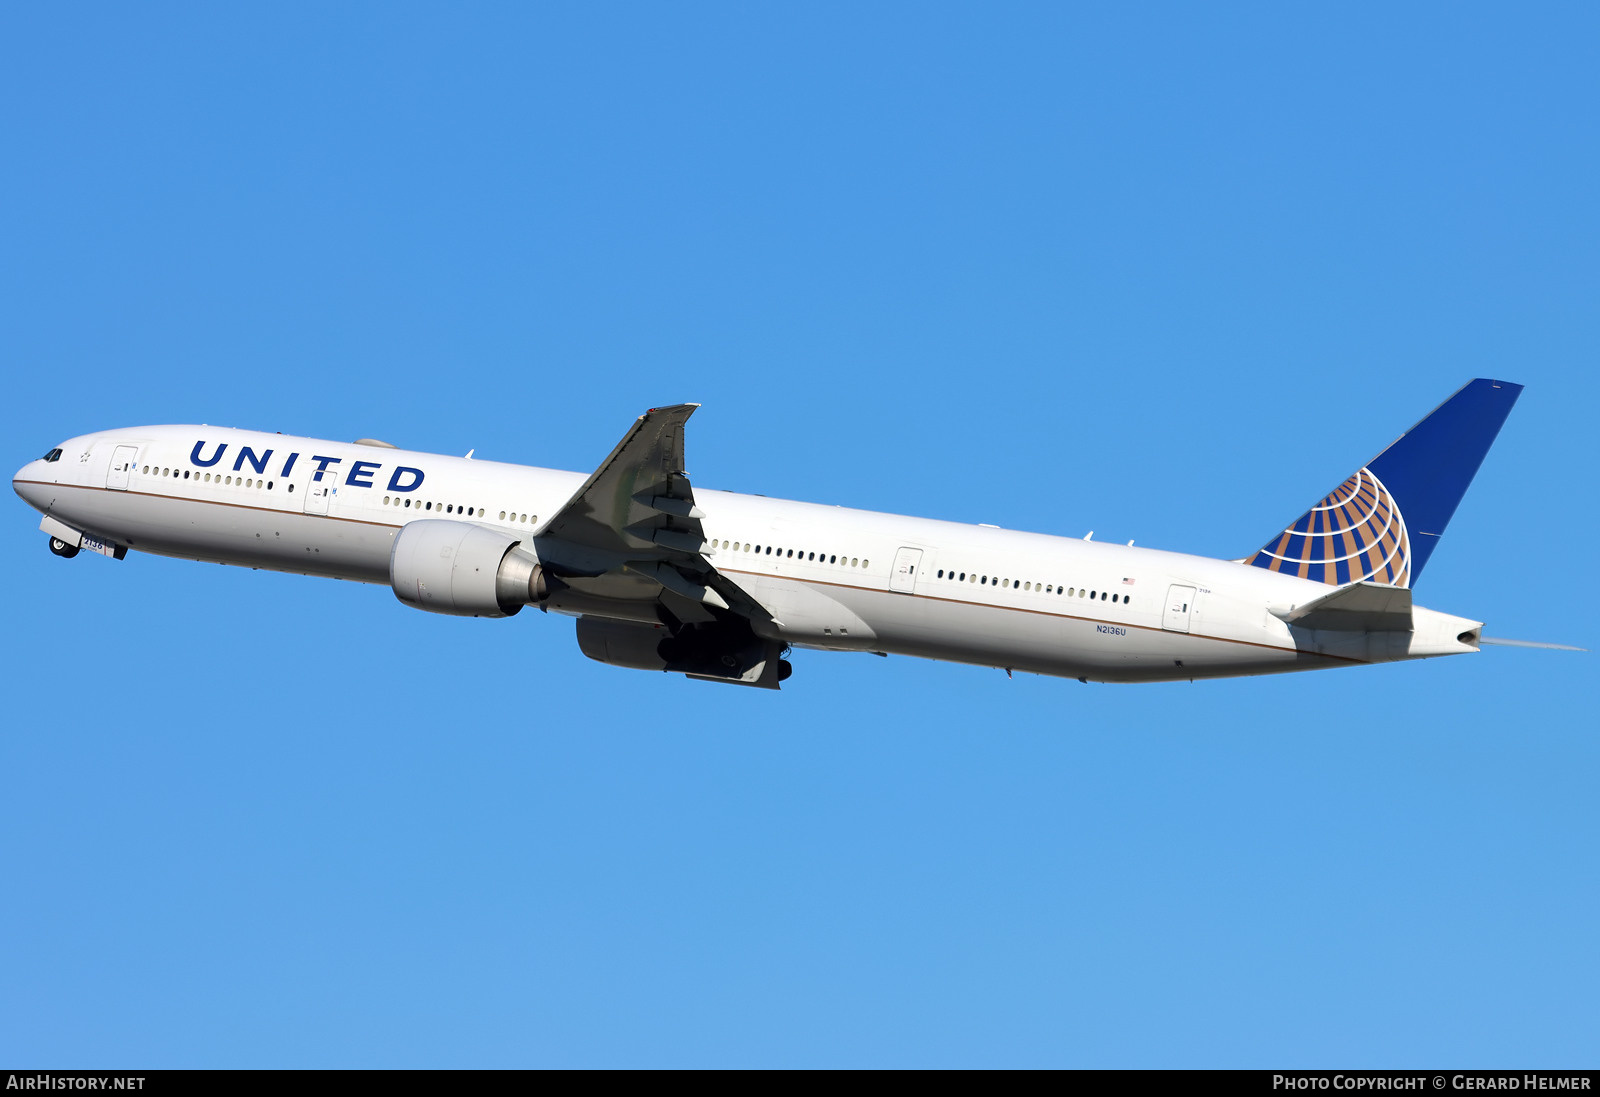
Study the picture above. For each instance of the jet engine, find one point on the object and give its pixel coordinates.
(724, 651)
(464, 569)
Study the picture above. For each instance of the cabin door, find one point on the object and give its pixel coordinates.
(904, 576)
(1180, 602)
(121, 467)
(317, 493)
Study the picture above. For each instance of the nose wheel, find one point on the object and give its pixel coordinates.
(62, 549)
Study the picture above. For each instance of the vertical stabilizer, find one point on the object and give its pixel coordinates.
(1382, 523)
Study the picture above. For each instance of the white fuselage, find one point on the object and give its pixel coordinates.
(831, 577)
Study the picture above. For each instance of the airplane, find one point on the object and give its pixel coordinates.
(721, 587)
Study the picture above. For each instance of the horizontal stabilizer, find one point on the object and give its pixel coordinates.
(1359, 607)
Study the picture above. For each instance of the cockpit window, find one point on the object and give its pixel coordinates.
(53, 455)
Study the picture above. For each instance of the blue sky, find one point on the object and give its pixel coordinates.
(1167, 272)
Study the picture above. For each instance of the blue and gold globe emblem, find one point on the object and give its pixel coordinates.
(1355, 533)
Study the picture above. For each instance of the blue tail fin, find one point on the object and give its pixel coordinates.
(1383, 522)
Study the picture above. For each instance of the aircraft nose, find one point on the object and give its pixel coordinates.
(26, 484)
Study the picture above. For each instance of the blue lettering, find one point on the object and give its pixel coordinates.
(289, 464)
(396, 485)
(361, 474)
(322, 465)
(248, 454)
(194, 454)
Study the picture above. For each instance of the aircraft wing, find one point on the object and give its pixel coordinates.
(633, 530)
(1358, 607)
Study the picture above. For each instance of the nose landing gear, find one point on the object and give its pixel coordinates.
(62, 549)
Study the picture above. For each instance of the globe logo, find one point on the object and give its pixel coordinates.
(1356, 533)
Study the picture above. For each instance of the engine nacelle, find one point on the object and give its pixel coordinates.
(721, 652)
(464, 569)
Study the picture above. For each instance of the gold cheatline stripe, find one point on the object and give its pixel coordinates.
(736, 571)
